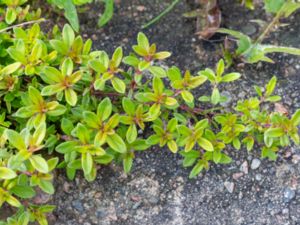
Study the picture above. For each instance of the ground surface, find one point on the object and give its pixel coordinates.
(250, 191)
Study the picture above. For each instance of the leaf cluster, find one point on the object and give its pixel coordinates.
(70, 11)
(66, 106)
(252, 50)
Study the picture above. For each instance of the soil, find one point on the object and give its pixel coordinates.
(250, 191)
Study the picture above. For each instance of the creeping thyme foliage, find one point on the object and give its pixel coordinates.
(68, 107)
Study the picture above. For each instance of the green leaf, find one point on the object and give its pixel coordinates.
(128, 106)
(217, 156)
(172, 125)
(157, 71)
(274, 98)
(67, 126)
(273, 6)
(71, 14)
(215, 97)
(87, 162)
(158, 86)
(162, 55)
(153, 140)
(47, 187)
(225, 159)
(143, 41)
(268, 153)
(202, 124)
(59, 46)
(116, 143)
(67, 67)
(117, 57)
(104, 109)
(197, 81)
(174, 74)
(209, 74)
(10, 16)
(233, 33)
(220, 68)
(131, 60)
(108, 13)
(118, 85)
(280, 49)
(274, 132)
(187, 96)
(66, 147)
(71, 97)
(172, 146)
(52, 89)
(11, 68)
(23, 191)
(169, 101)
(35, 96)
(154, 111)
(82, 133)
(104, 159)
(51, 75)
(131, 133)
(236, 143)
(143, 65)
(140, 145)
(39, 134)
(271, 86)
(6, 173)
(231, 77)
(127, 163)
(205, 144)
(91, 119)
(25, 112)
(296, 118)
(97, 66)
(39, 163)
(196, 169)
(290, 7)
(68, 35)
(16, 140)
(52, 163)
(13, 201)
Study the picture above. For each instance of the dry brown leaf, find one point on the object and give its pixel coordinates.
(281, 109)
(209, 20)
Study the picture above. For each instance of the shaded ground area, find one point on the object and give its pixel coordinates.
(250, 191)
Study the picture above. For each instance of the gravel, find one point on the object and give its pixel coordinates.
(244, 167)
(255, 164)
(229, 186)
(288, 194)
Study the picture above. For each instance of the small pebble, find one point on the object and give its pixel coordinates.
(229, 186)
(78, 205)
(285, 211)
(258, 177)
(288, 194)
(244, 167)
(296, 159)
(255, 164)
(236, 176)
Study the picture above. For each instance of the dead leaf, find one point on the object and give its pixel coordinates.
(281, 109)
(141, 8)
(209, 20)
